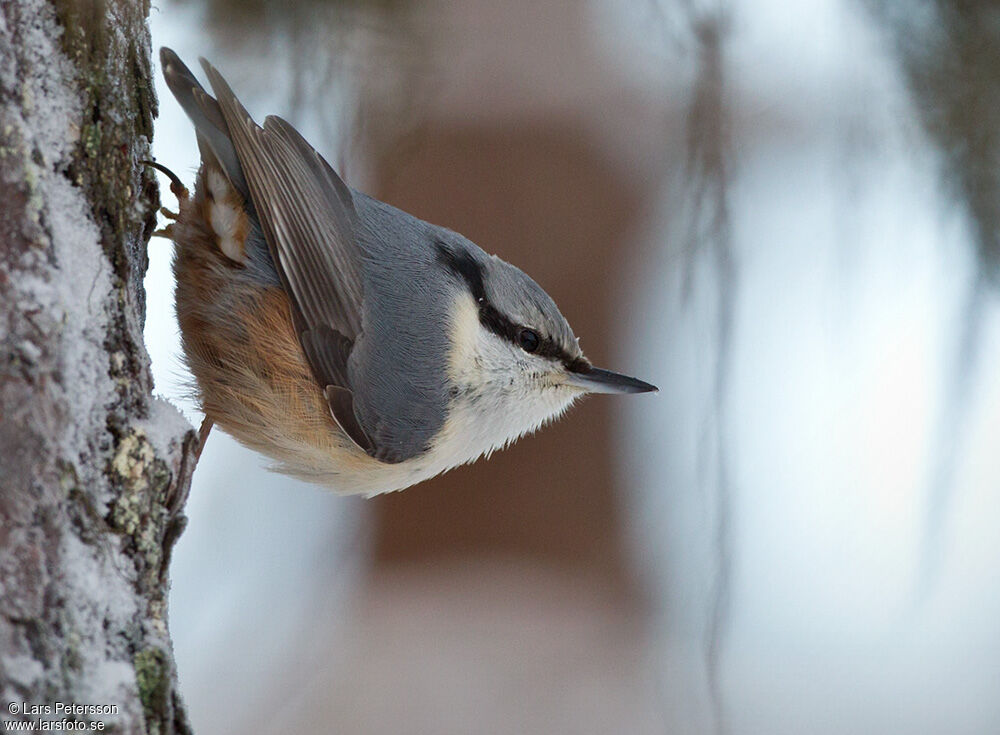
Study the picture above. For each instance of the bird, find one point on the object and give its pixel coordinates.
(357, 346)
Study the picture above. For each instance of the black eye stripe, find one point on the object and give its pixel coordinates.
(465, 267)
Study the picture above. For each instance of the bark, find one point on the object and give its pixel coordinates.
(93, 469)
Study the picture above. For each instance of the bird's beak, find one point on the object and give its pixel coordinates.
(596, 380)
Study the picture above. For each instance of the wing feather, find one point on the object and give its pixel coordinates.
(308, 218)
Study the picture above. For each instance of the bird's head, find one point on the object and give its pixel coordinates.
(513, 353)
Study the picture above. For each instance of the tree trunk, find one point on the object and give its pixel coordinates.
(93, 469)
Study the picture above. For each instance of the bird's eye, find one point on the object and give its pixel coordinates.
(528, 339)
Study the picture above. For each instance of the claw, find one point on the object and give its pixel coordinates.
(168, 214)
(176, 187)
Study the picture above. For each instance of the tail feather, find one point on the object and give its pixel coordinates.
(205, 114)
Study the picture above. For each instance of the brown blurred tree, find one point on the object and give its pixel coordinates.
(541, 196)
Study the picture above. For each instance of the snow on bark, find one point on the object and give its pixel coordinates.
(93, 469)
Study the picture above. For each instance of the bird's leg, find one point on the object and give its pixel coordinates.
(177, 494)
(168, 231)
(178, 189)
(165, 232)
(203, 432)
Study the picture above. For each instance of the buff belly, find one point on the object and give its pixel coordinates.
(250, 375)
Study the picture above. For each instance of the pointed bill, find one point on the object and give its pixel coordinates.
(596, 380)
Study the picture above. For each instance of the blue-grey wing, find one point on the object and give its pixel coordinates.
(402, 360)
(308, 218)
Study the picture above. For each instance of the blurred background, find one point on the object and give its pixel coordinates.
(787, 216)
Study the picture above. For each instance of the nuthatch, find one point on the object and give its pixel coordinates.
(360, 347)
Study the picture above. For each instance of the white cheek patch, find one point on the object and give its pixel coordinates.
(503, 392)
(463, 363)
(226, 216)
